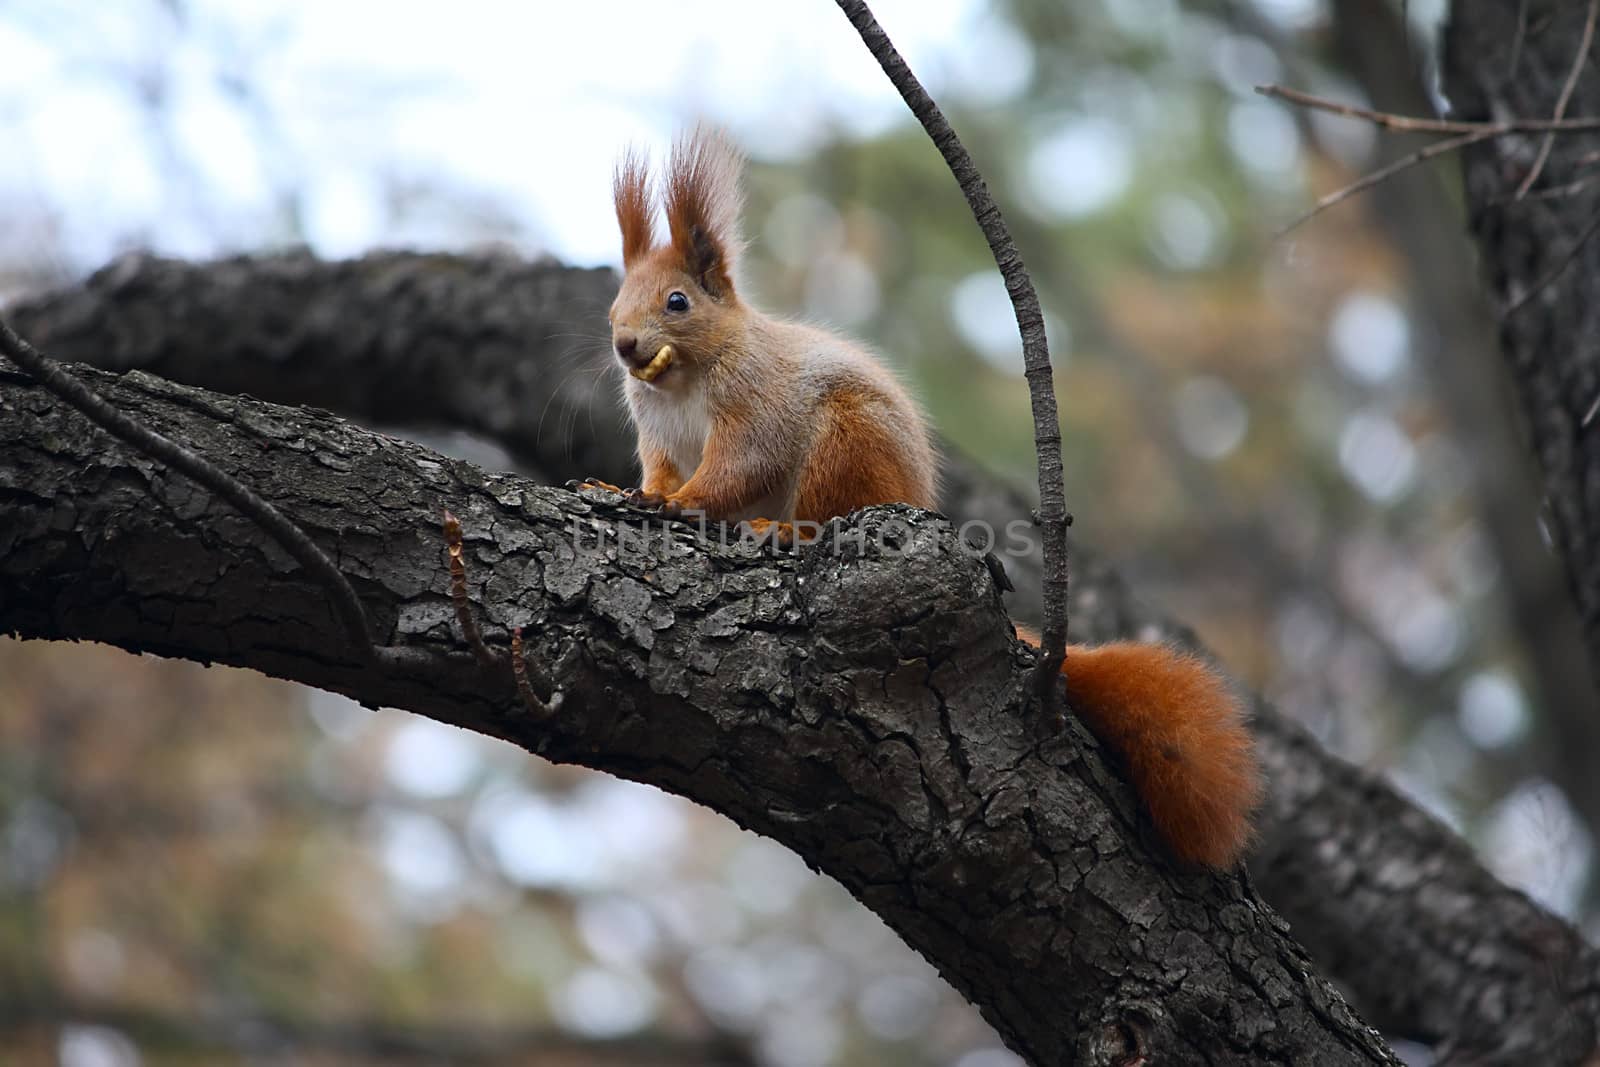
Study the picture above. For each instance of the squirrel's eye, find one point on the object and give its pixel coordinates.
(676, 301)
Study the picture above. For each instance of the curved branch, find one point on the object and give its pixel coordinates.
(513, 351)
(1053, 519)
(1460, 975)
(864, 703)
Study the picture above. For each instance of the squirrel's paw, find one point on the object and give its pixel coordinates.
(641, 498)
(596, 483)
(664, 506)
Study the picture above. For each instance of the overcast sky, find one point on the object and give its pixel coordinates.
(526, 103)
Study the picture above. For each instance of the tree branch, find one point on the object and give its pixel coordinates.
(862, 703)
(1465, 133)
(513, 351)
(1459, 974)
(288, 536)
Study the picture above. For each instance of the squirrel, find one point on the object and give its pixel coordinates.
(745, 418)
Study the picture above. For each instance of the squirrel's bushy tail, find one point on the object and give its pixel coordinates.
(1181, 733)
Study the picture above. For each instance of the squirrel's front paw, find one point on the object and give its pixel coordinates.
(642, 498)
(664, 506)
(596, 483)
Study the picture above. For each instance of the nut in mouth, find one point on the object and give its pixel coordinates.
(652, 370)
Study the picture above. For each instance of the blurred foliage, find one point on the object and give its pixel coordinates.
(211, 860)
(204, 866)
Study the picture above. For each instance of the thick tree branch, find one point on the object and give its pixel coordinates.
(1452, 975)
(864, 703)
(175, 456)
(515, 352)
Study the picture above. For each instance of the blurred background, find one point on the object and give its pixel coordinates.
(1297, 443)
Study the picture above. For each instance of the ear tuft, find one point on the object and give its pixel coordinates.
(703, 200)
(630, 189)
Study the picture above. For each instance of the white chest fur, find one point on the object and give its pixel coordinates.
(676, 421)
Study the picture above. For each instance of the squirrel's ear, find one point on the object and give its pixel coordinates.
(630, 188)
(703, 199)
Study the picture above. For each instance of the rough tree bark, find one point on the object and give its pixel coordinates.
(863, 703)
(1514, 60)
(1387, 899)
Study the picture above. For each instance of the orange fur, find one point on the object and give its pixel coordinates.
(630, 190)
(702, 201)
(1173, 721)
(733, 471)
(863, 463)
(661, 477)
(711, 330)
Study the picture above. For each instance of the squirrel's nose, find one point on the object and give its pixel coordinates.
(627, 346)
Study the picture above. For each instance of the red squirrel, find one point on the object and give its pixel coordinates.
(746, 418)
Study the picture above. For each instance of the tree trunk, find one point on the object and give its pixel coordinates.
(1462, 359)
(1506, 61)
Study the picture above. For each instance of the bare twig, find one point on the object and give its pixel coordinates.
(1052, 517)
(1562, 101)
(1552, 192)
(1463, 133)
(1414, 124)
(486, 657)
(458, 593)
(1367, 181)
(292, 539)
(1517, 41)
(1556, 271)
(1399, 123)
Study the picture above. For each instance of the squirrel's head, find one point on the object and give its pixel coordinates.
(680, 293)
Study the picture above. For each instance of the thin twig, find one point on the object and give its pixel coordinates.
(1563, 100)
(1516, 41)
(1465, 133)
(1052, 517)
(1551, 192)
(1367, 181)
(1389, 121)
(147, 441)
(1414, 124)
(1556, 271)
(458, 593)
